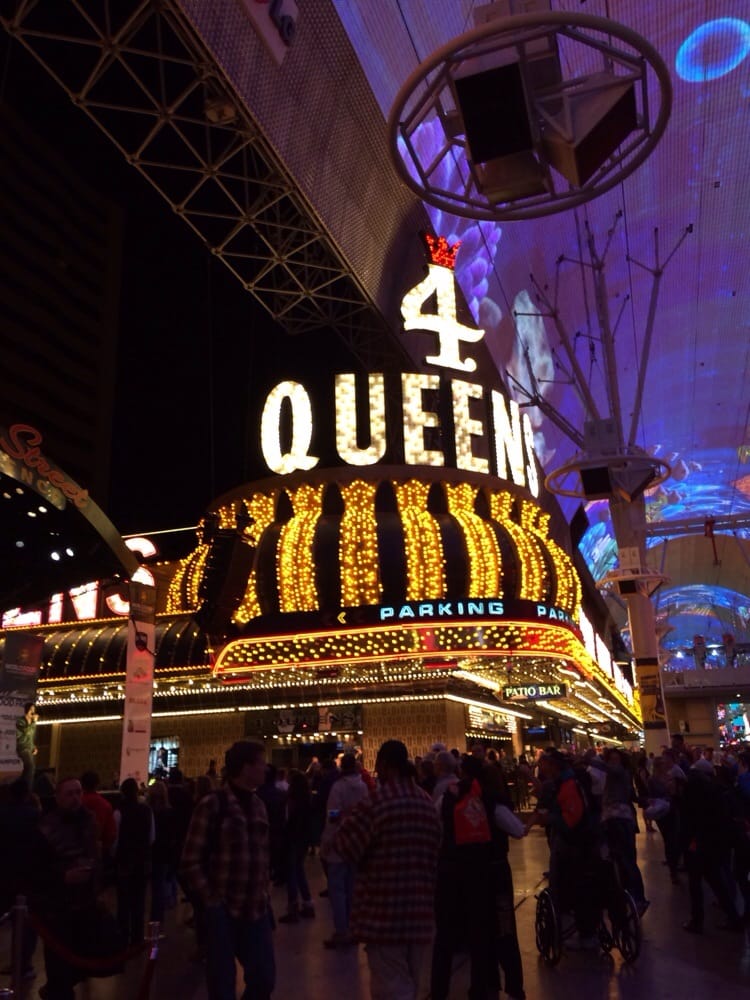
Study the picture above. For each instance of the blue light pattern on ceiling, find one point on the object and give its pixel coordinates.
(697, 390)
(713, 50)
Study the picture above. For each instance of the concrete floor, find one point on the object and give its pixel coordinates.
(673, 965)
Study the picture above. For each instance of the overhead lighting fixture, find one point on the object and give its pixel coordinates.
(19, 544)
(526, 138)
(55, 556)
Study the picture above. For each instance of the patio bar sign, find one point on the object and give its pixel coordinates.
(534, 692)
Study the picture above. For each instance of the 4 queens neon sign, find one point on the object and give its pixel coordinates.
(287, 422)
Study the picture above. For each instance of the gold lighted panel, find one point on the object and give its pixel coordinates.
(358, 552)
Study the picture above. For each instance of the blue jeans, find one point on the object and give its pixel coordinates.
(251, 943)
(340, 891)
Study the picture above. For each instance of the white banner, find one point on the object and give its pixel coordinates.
(139, 684)
(19, 671)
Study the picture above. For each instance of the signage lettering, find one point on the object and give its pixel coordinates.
(510, 437)
(534, 692)
(553, 614)
(451, 333)
(466, 609)
(85, 599)
(297, 455)
(598, 652)
(467, 427)
(346, 420)
(416, 419)
(23, 443)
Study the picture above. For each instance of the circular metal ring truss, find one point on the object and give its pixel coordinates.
(427, 140)
(622, 461)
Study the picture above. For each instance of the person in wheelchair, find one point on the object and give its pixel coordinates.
(567, 808)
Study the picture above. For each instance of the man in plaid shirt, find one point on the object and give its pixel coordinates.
(225, 863)
(392, 838)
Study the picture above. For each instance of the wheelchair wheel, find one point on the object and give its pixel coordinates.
(626, 928)
(605, 936)
(547, 927)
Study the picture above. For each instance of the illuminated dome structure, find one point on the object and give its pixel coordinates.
(346, 541)
(363, 578)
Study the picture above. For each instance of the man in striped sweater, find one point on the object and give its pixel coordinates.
(392, 838)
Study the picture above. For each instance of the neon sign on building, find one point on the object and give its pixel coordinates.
(510, 438)
(86, 599)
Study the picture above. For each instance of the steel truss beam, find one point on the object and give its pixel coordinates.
(721, 524)
(137, 69)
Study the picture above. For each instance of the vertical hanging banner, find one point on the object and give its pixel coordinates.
(139, 683)
(652, 698)
(22, 657)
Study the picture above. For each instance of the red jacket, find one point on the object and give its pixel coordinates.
(104, 816)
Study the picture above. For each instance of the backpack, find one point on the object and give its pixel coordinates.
(470, 822)
(576, 804)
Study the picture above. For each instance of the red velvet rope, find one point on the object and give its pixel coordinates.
(148, 972)
(79, 961)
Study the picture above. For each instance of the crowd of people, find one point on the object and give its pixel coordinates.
(415, 856)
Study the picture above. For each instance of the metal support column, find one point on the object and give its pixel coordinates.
(629, 521)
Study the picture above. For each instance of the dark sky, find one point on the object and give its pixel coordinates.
(197, 354)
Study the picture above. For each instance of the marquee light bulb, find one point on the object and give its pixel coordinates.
(465, 427)
(509, 438)
(297, 457)
(346, 420)
(416, 418)
(441, 281)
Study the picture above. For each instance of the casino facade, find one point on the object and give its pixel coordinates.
(419, 588)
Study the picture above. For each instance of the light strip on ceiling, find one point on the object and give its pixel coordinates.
(596, 708)
(558, 711)
(89, 718)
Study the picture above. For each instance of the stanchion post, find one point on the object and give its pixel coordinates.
(152, 936)
(154, 928)
(20, 914)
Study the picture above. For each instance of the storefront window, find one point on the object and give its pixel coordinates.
(163, 754)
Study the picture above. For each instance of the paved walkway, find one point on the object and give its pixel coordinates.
(673, 964)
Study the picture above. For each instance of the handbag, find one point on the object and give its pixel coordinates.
(657, 809)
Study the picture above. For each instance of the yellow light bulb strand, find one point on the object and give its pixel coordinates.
(261, 511)
(485, 578)
(295, 566)
(528, 551)
(568, 586)
(358, 546)
(425, 562)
